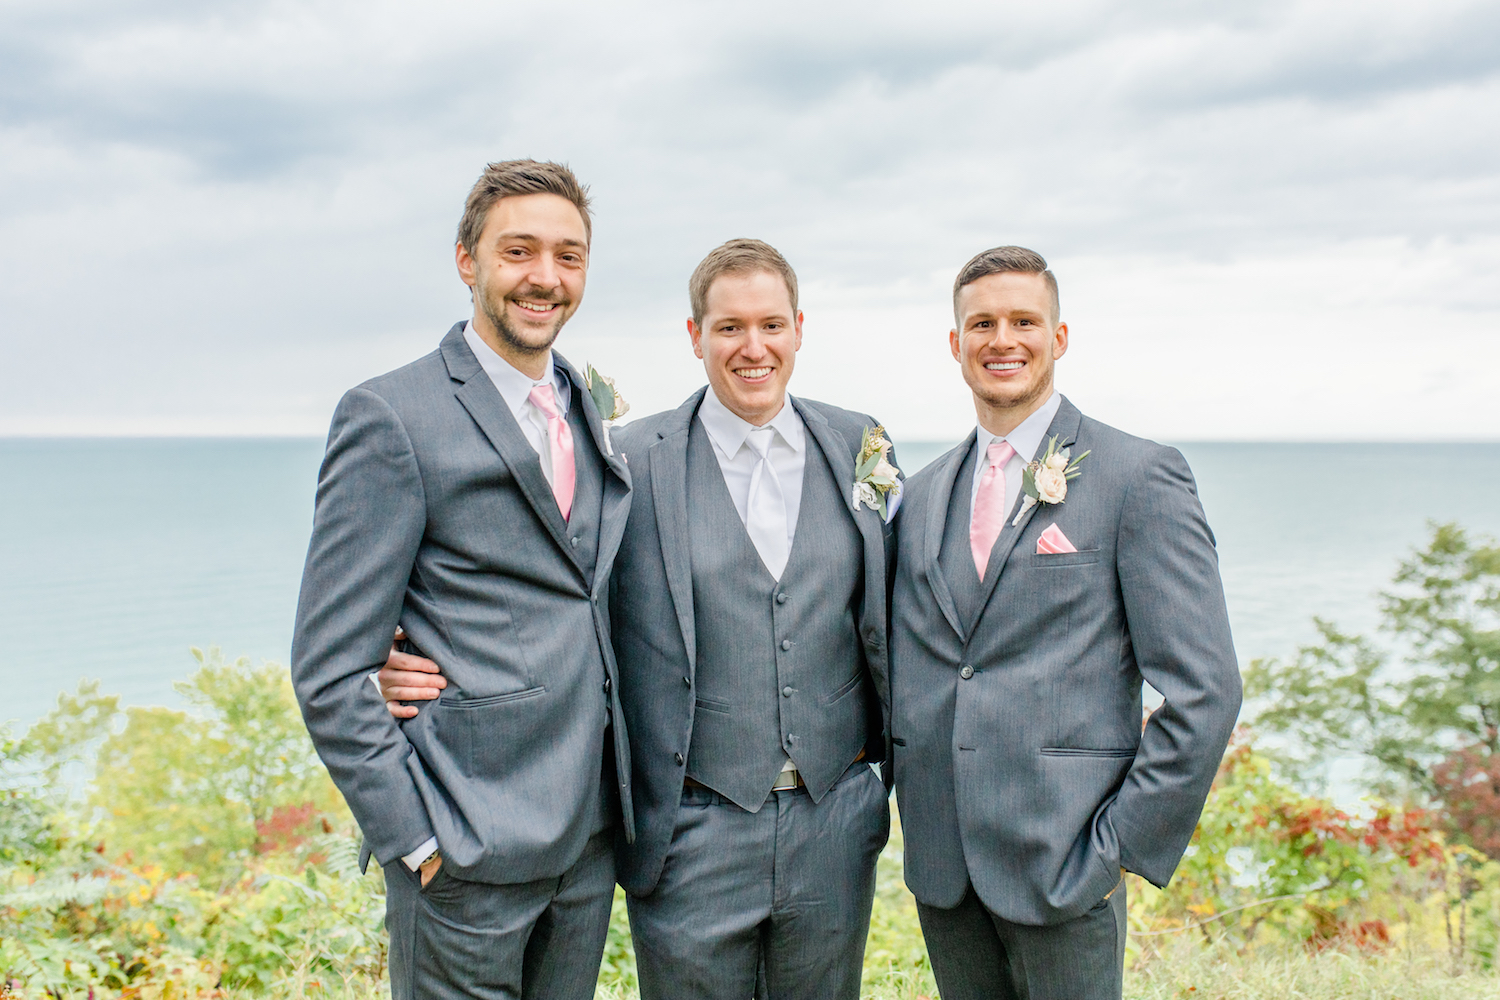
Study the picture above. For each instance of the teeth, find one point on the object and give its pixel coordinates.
(752, 372)
(539, 307)
(1004, 366)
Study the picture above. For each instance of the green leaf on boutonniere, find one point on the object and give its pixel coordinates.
(601, 393)
(866, 467)
(1028, 483)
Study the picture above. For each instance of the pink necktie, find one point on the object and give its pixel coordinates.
(989, 506)
(560, 439)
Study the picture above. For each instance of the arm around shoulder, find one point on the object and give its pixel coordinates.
(367, 528)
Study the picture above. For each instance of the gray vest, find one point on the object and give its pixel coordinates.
(588, 490)
(780, 669)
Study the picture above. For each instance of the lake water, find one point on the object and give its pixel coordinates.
(116, 556)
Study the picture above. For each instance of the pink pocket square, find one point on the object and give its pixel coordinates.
(1053, 542)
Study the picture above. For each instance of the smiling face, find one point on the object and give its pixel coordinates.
(748, 341)
(527, 272)
(1006, 343)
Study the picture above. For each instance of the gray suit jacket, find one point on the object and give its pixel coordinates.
(652, 599)
(1031, 777)
(433, 513)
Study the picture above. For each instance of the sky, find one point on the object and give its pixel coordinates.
(1269, 221)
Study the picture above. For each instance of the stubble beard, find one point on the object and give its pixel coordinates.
(1029, 398)
(495, 313)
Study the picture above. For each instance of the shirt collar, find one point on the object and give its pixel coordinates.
(1027, 437)
(515, 385)
(728, 431)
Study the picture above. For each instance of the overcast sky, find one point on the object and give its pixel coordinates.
(1271, 220)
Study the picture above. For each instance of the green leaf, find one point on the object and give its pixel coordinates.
(862, 474)
(602, 394)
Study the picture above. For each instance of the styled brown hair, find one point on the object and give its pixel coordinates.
(513, 177)
(1001, 260)
(738, 257)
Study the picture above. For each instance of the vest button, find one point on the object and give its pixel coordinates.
(966, 672)
(781, 598)
(786, 644)
(678, 758)
(786, 692)
(688, 681)
(608, 685)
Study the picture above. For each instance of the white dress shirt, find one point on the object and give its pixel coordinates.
(788, 454)
(1026, 439)
(515, 388)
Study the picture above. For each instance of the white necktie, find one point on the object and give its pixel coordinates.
(765, 510)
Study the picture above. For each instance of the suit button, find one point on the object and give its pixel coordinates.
(688, 681)
(786, 692)
(786, 644)
(573, 541)
(966, 672)
(608, 684)
(790, 739)
(780, 598)
(678, 758)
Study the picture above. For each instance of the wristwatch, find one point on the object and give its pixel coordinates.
(436, 855)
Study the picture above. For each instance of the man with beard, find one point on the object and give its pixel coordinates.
(471, 499)
(1046, 566)
(749, 607)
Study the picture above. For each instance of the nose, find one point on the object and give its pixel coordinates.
(543, 272)
(753, 347)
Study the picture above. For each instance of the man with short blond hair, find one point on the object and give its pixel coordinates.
(471, 498)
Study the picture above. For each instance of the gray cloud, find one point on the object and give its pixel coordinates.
(193, 191)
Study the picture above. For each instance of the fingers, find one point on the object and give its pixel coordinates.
(401, 711)
(407, 661)
(397, 692)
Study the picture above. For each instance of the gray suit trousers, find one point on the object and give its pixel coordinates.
(977, 955)
(790, 885)
(454, 939)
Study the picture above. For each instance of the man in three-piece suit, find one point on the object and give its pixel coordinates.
(471, 498)
(749, 609)
(749, 600)
(1027, 609)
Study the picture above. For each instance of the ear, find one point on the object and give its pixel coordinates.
(465, 264)
(1060, 341)
(695, 333)
(954, 343)
(797, 344)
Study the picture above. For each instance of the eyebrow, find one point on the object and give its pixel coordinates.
(537, 239)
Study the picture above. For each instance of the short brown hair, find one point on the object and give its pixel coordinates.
(513, 177)
(1001, 260)
(738, 257)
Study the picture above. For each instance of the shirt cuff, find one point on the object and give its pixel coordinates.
(415, 858)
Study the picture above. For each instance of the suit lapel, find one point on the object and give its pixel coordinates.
(1064, 427)
(484, 403)
(944, 471)
(668, 458)
(615, 501)
(840, 455)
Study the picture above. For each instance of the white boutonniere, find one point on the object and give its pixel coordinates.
(607, 400)
(877, 483)
(1045, 480)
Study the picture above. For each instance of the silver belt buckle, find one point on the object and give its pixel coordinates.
(784, 781)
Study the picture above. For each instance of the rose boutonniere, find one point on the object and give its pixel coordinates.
(1045, 480)
(877, 483)
(607, 400)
